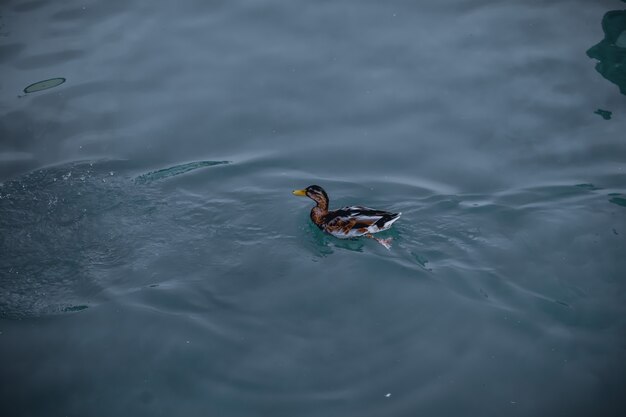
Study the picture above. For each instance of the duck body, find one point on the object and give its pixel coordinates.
(347, 222)
(354, 221)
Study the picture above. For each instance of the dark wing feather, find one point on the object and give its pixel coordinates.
(356, 217)
(356, 211)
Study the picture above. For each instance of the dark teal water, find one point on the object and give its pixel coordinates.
(153, 261)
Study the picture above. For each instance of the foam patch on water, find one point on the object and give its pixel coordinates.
(70, 233)
(58, 233)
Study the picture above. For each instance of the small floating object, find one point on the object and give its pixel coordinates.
(44, 85)
(606, 115)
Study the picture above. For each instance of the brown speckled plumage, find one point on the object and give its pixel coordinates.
(347, 222)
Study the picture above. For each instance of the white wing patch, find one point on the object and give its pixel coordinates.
(390, 222)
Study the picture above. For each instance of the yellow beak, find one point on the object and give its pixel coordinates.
(301, 193)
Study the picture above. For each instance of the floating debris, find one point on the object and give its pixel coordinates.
(44, 85)
(606, 115)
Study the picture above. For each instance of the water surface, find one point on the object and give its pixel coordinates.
(154, 262)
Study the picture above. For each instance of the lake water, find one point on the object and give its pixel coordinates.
(153, 261)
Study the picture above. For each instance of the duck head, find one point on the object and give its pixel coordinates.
(315, 193)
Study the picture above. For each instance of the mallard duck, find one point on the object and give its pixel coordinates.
(347, 222)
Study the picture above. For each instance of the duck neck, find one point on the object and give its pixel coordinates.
(318, 212)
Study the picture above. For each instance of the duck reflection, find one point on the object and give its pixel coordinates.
(323, 244)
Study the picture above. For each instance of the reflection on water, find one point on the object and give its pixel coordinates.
(322, 244)
(611, 51)
(176, 170)
(618, 199)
